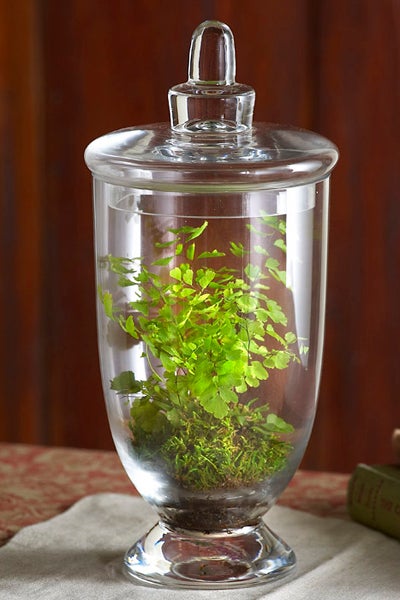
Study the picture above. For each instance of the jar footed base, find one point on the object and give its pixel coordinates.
(215, 560)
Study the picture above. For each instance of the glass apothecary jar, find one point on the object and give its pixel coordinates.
(211, 242)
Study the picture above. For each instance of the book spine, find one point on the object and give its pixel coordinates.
(374, 500)
(396, 445)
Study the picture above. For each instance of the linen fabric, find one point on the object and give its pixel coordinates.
(79, 554)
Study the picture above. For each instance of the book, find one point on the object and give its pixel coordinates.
(396, 445)
(373, 497)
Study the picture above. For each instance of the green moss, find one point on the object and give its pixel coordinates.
(205, 453)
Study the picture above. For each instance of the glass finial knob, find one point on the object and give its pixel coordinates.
(212, 55)
(211, 101)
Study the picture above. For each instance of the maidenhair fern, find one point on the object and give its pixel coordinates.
(209, 336)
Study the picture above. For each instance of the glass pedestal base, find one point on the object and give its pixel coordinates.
(216, 560)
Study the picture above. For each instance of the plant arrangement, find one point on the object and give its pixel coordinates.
(209, 338)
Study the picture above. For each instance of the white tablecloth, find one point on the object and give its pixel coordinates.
(77, 556)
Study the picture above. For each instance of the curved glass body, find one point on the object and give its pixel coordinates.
(210, 324)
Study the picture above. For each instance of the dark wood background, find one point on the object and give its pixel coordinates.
(71, 71)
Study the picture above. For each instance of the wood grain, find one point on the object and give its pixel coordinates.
(358, 99)
(70, 71)
(21, 222)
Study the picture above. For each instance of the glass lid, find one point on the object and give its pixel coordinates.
(211, 142)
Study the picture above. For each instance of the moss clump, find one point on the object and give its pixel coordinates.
(204, 453)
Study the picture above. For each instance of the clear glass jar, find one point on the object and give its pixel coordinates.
(211, 242)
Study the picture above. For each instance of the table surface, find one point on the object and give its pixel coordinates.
(37, 483)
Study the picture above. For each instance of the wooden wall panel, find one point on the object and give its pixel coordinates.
(22, 415)
(71, 71)
(358, 100)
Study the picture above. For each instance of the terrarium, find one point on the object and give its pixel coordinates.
(211, 243)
